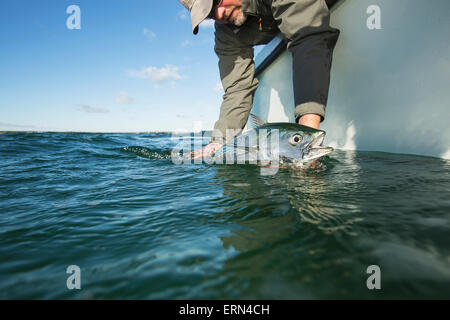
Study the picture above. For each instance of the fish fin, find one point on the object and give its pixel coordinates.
(246, 129)
(256, 121)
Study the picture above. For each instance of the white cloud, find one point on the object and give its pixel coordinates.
(173, 84)
(22, 126)
(124, 98)
(183, 14)
(186, 43)
(148, 33)
(157, 75)
(89, 109)
(207, 23)
(218, 87)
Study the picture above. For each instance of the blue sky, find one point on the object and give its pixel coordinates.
(133, 66)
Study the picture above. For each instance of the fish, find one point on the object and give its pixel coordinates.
(279, 142)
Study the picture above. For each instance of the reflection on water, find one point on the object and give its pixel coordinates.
(141, 227)
(316, 229)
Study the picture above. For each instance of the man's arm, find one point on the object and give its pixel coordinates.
(237, 73)
(311, 40)
(237, 70)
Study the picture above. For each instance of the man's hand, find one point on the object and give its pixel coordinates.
(206, 151)
(310, 120)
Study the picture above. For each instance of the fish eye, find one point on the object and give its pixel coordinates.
(296, 139)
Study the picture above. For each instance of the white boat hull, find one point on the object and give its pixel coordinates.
(390, 87)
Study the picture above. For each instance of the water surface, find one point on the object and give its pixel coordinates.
(141, 227)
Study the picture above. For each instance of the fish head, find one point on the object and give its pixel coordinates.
(300, 143)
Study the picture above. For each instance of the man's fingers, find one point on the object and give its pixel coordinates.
(206, 151)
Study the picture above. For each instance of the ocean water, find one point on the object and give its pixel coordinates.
(141, 227)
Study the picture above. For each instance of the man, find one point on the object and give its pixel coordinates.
(242, 24)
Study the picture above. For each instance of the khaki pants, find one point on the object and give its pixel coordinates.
(305, 25)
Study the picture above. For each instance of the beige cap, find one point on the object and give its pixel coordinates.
(199, 9)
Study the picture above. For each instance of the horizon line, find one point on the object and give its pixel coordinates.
(135, 132)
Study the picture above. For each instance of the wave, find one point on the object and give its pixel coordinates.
(147, 153)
